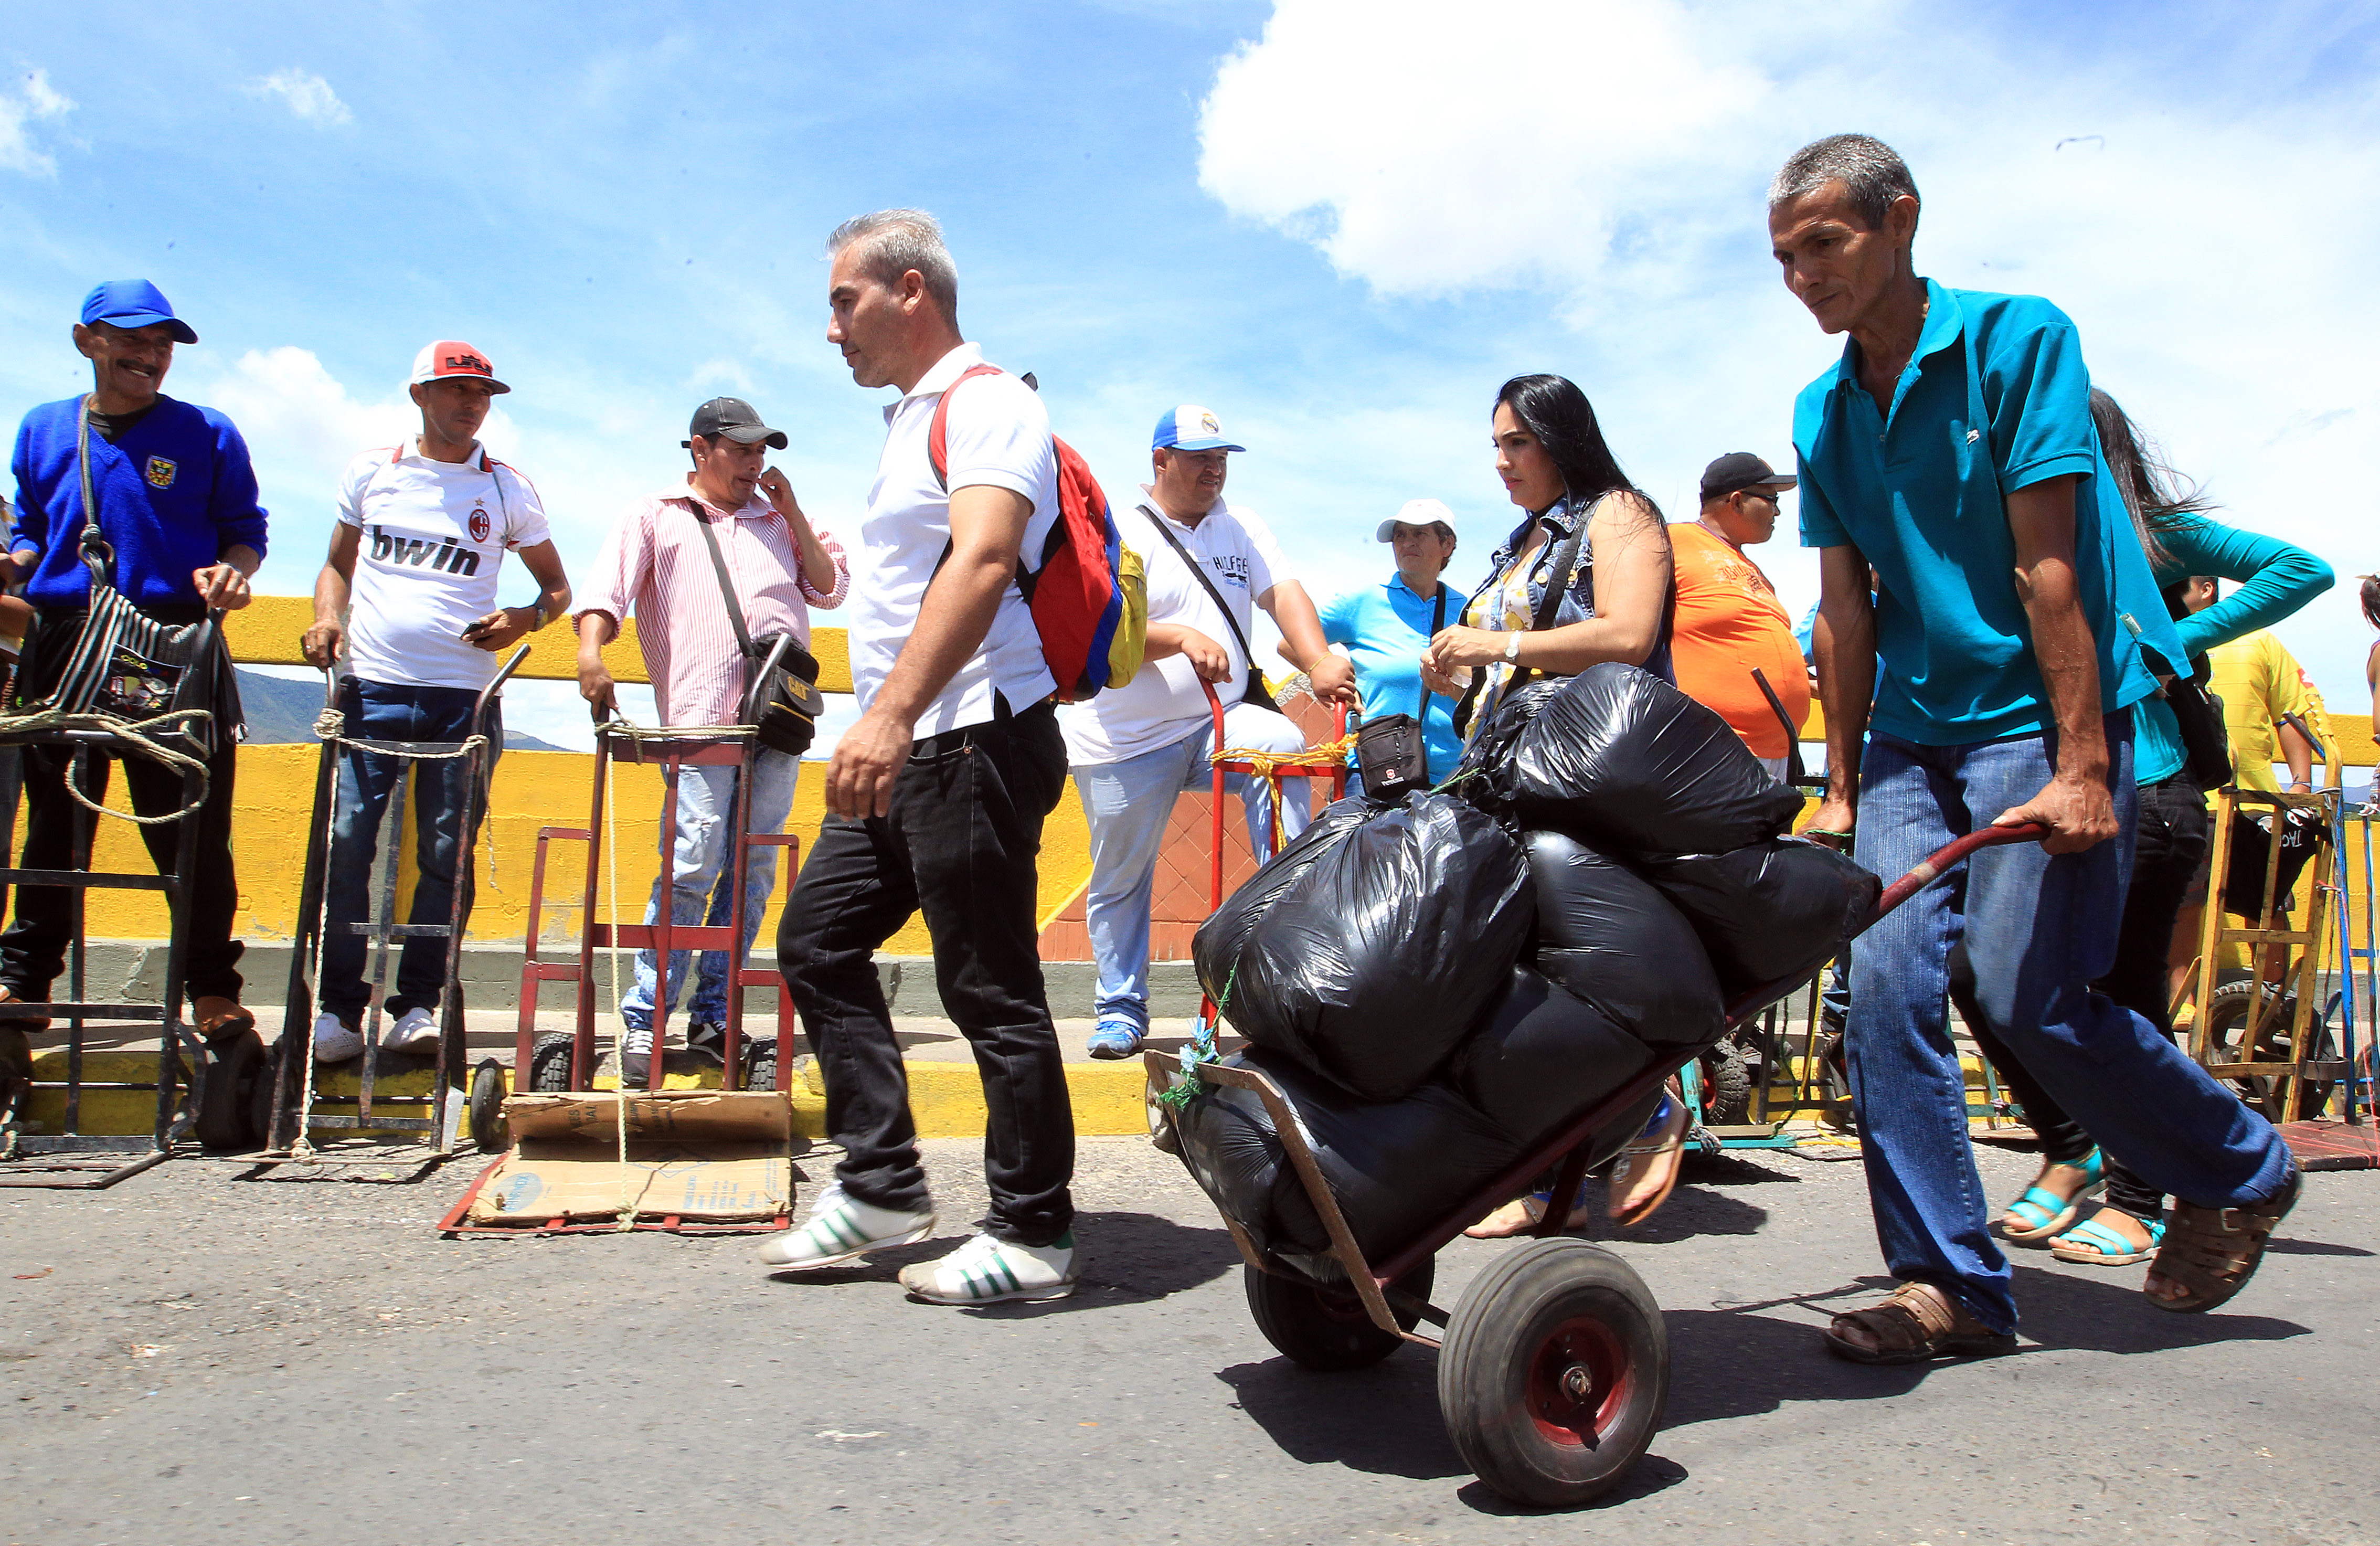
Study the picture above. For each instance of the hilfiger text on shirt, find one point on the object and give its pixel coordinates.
(1233, 566)
(445, 557)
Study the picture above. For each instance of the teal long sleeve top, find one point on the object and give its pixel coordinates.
(2275, 578)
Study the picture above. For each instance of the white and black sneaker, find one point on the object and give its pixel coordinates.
(842, 1229)
(990, 1270)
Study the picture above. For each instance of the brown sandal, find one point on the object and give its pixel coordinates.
(1652, 1162)
(1914, 1327)
(2212, 1252)
(29, 1025)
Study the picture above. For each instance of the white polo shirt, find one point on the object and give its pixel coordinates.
(998, 434)
(1164, 702)
(433, 537)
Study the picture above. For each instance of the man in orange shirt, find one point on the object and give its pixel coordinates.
(1729, 619)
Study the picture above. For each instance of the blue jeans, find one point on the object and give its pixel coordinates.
(1129, 805)
(392, 712)
(2039, 928)
(706, 811)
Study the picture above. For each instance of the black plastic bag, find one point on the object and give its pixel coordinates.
(1626, 761)
(1606, 935)
(1482, 776)
(1369, 954)
(1395, 1167)
(1543, 1056)
(1772, 912)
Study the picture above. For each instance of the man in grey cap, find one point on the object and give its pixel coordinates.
(1729, 622)
(659, 562)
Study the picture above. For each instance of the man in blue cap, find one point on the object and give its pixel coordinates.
(177, 503)
(1140, 743)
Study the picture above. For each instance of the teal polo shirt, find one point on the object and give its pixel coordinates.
(1385, 629)
(1996, 398)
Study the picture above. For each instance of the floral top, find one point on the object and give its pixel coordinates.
(1509, 599)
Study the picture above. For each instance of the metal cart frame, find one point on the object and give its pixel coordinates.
(1588, 1407)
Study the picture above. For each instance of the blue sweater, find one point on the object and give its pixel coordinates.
(175, 492)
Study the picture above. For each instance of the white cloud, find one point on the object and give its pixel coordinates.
(33, 100)
(307, 94)
(1612, 159)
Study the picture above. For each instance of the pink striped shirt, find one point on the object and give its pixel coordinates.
(656, 563)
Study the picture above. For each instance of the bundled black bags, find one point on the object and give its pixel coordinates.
(1768, 912)
(1367, 952)
(1395, 1167)
(1483, 775)
(1542, 1057)
(1612, 940)
(1619, 758)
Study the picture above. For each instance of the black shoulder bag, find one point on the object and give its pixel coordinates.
(1256, 691)
(1393, 752)
(128, 664)
(785, 708)
(1549, 605)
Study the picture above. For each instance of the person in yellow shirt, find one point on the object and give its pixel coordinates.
(2258, 682)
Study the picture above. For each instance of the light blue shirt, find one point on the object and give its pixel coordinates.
(1996, 398)
(1385, 629)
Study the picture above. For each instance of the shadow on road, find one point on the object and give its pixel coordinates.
(1654, 1473)
(1739, 1362)
(1382, 1419)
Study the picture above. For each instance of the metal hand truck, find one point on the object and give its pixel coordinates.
(566, 1060)
(193, 1088)
(1554, 1363)
(291, 1107)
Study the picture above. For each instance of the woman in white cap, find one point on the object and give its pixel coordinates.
(1386, 630)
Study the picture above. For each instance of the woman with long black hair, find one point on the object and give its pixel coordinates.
(1584, 578)
(1579, 513)
(2172, 520)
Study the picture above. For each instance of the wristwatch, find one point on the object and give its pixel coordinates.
(539, 607)
(1513, 647)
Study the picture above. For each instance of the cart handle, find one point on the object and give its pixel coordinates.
(1930, 869)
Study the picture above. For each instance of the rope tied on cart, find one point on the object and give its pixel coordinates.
(1200, 1049)
(135, 733)
(331, 724)
(1265, 763)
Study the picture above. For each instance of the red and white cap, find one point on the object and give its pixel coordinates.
(450, 358)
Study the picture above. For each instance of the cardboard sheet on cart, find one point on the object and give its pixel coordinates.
(724, 1155)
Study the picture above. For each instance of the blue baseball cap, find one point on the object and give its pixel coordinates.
(133, 303)
(1190, 428)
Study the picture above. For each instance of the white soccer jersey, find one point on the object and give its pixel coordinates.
(434, 535)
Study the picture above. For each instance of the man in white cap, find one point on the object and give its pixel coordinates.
(1136, 746)
(408, 597)
(1385, 627)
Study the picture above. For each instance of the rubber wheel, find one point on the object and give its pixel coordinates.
(235, 1065)
(1553, 1373)
(760, 1065)
(490, 1133)
(1326, 1328)
(2227, 1020)
(549, 1062)
(1727, 1084)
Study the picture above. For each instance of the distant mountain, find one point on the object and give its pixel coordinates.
(280, 712)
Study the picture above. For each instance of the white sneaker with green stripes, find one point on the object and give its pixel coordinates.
(987, 1270)
(842, 1229)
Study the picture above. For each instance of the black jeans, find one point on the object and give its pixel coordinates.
(961, 844)
(33, 951)
(2169, 847)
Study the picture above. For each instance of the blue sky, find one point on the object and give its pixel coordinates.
(1339, 226)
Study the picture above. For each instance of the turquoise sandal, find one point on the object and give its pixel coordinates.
(2093, 1243)
(2041, 1213)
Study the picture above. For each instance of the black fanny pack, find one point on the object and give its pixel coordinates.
(1393, 752)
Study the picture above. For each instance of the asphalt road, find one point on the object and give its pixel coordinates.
(195, 1358)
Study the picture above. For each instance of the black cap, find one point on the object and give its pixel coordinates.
(1742, 470)
(735, 419)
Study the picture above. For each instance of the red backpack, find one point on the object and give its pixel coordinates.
(1088, 593)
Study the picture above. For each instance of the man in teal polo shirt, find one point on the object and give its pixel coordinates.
(1952, 449)
(1385, 629)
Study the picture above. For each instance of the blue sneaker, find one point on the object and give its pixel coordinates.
(1115, 1038)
